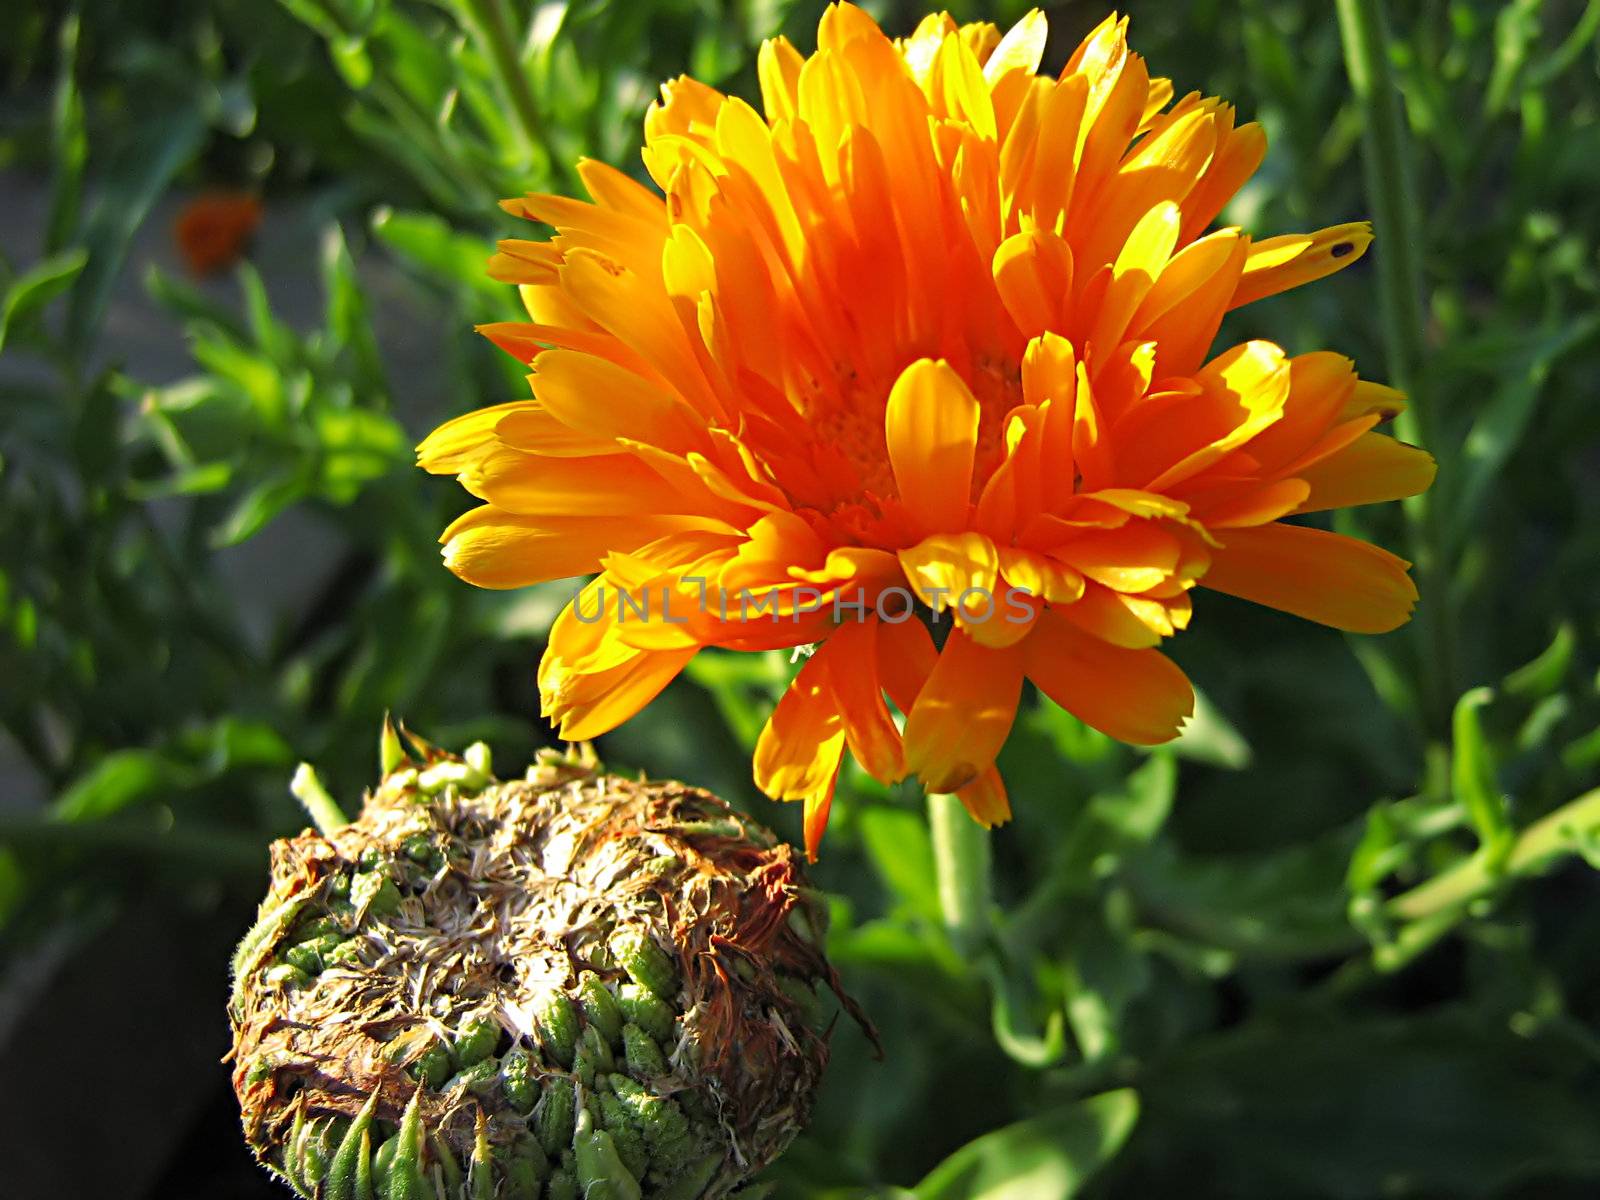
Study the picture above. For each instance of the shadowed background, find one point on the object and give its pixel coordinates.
(216, 559)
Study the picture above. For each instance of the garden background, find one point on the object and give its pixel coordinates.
(1323, 946)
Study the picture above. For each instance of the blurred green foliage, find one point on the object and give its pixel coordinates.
(1297, 954)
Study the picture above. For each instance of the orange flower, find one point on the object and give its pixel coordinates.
(928, 340)
(214, 229)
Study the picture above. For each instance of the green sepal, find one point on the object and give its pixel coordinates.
(694, 1180)
(364, 1189)
(291, 1150)
(643, 1056)
(382, 1161)
(391, 750)
(601, 1173)
(600, 1007)
(449, 1165)
(406, 1180)
(258, 944)
(646, 1010)
(480, 1172)
(349, 1158)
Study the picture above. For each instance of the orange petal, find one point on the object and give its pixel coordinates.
(852, 666)
(932, 428)
(1373, 468)
(963, 713)
(1137, 696)
(985, 798)
(1321, 576)
(798, 752)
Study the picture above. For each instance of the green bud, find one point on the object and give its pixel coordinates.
(594, 1056)
(374, 893)
(433, 1067)
(286, 975)
(480, 1078)
(479, 758)
(601, 1172)
(418, 847)
(659, 1118)
(553, 1118)
(646, 1010)
(642, 1054)
(616, 1118)
(557, 1024)
(517, 1081)
(645, 962)
(477, 1038)
(600, 1007)
(563, 1186)
(523, 1165)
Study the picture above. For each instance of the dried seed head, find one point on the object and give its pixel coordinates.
(567, 985)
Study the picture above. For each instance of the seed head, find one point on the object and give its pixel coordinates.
(566, 985)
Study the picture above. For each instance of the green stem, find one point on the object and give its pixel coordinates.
(1477, 876)
(961, 861)
(492, 28)
(322, 807)
(1392, 195)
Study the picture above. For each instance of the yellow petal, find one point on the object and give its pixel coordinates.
(932, 428)
(1280, 263)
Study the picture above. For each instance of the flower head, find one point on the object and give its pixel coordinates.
(931, 336)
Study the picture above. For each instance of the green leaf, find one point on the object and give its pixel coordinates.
(39, 285)
(1048, 1157)
(1472, 771)
(138, 175)
(1499, 428)
(120, 780)
(431, 245)
(259, 507)
(1544, 674)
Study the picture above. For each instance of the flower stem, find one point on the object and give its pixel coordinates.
(1391, 191)
(961, 861)
(492, 28)
(1563, 830)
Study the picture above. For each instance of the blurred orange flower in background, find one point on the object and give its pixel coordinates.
(934, 326)
(213, 230)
